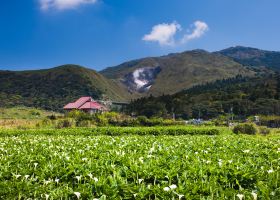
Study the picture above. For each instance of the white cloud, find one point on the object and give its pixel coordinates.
(200, 28)
(63, 4)
(163, 33)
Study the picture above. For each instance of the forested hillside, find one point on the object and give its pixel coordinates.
(242, 96)
(253, 57)
(51, 89)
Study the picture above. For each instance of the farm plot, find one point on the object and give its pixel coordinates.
(139, 167)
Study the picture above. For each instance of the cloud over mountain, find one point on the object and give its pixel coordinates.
(200, 28)
(165, 34)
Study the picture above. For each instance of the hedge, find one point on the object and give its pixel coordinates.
(115, 131)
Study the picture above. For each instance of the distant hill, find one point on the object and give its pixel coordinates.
(253, 57)
(174, 72)
(53, 88)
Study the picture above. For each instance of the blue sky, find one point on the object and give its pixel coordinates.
(36, 34)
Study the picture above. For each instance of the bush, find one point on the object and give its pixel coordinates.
(78, 115)
(84, 123)
(101, 120)
(128, 123)
(143, 120)
(247, 128)
(65, 123)
(35, 113)
(52, 117)
(44, 123)
(115, 131)
(264, 130)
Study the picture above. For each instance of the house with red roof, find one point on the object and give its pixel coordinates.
(86, 104)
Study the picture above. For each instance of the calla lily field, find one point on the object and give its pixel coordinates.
(76, 165)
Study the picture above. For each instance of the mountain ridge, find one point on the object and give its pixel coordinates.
(167, 74)
(179, 70)
(253, 56)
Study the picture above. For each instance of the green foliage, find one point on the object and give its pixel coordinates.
(246, 128)
(238, 97)
(116, 119)
(144, 121)
(74, 114)
(84, 123)
(46, 122)
(264, 130)
(52, 117)
(101, 120)
(62, 166)
(35, 113)
(18, 112)
(51, 89)
(272, 121)
(65, 123)
(114, 131)
(253, 57)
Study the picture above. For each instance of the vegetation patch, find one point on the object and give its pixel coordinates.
(139, 167)
(247, 128)
(115, 131)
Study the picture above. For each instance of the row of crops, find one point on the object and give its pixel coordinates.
(116, 131)
(84, 166)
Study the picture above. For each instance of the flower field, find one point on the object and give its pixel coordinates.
(223, 166)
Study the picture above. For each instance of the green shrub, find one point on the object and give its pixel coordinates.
(143, 120)
(100, 120)
(35, 112)
(44, 123)
(23, 127)
(84, 123)
(78, 115)
(264, 130)
(65, 123)
(247, 128)
(52, 117)
(114, 131)
(128, 123)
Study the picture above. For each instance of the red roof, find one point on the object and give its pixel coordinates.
(69, 106)
(85, 103)
(91, 105)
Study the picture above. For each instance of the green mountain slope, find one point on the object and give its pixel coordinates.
(253, 57)
(53, 88)
(242, 96)
(173, 73)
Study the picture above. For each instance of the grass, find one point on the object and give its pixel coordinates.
(72, 166)
(22, 117)
(24, 113)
